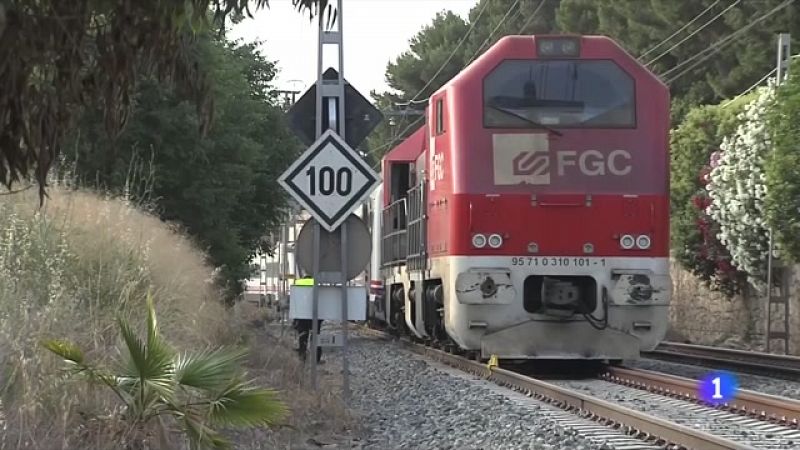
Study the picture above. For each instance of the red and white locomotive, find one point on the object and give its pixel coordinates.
(529, 217)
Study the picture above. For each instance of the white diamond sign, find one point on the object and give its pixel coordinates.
(330, 180)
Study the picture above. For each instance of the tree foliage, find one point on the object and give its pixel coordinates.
(57, 56)
(705, 68)
(200, 391)
(222, 188)
(783, 168)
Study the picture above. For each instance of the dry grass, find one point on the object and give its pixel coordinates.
(315, 416)
(65, 271)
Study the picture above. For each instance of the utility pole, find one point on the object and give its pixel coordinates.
(783, 298)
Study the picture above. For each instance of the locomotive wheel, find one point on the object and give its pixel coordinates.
(474, 355)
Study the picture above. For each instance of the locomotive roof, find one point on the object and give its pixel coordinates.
(510, 44)
(409, 149)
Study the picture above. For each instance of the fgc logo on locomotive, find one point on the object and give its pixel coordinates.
(526, 158)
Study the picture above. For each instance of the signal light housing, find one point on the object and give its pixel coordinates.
(478, 240)
(495, 241)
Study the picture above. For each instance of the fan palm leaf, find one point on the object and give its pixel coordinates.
(242, 405)
(149, 366)
(209, 369)
(199, 390)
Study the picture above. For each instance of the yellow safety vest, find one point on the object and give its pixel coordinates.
(304, 282)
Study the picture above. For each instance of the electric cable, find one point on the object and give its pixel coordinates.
(693, 33)
(720, 44)
(678, 31)
(453, 53)
(491, 34)
(746, 91)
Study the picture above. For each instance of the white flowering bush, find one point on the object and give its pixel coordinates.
(738, 190)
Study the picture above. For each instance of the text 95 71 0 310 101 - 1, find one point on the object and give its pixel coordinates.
(557, 261)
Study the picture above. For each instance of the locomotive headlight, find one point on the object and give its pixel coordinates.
(479, 240)
(627, 242)
(643, 242)
(558, 47)
(495, 241)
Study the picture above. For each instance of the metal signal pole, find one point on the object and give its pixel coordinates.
(330, 96)
(781, 73)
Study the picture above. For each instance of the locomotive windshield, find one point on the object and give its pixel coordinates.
(559, 93)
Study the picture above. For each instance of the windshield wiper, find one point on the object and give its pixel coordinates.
(520, 116)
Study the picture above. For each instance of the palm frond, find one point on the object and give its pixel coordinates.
(65, 349)
(209, 370)
(201, 436)
(152, 323)
(321, 8)
(137, 363)
(149, 366)
(74, 356)
(242, 405)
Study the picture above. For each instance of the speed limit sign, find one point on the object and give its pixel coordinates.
(330, 180)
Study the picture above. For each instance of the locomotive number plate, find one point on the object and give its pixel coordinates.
(557, 261)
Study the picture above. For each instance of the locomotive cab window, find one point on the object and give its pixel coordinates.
(439, 117)
(561, 93)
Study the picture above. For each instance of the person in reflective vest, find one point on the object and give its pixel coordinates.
(303, 326)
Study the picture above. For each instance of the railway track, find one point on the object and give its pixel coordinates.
(756, 363)
(764, 407)
(752, 421)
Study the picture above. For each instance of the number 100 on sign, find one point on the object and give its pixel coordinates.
(329, 181)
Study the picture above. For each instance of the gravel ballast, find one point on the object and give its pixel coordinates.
(405, 401)
(773, 386)
(745, 430)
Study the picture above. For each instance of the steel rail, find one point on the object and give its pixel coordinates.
(750, 403)
(752, 362)
(644, 426)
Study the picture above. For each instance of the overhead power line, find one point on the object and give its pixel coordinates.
(392, 141)
(712, 20)
(531, 17)
(678, 31)
(719, 45)
(497, 27)
(746, 91)
(414, 98)
(757, 83)
(458, 46)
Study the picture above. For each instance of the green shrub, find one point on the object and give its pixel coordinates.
(782, 203)
(694, 234)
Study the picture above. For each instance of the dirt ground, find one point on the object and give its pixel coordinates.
(317, 419)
